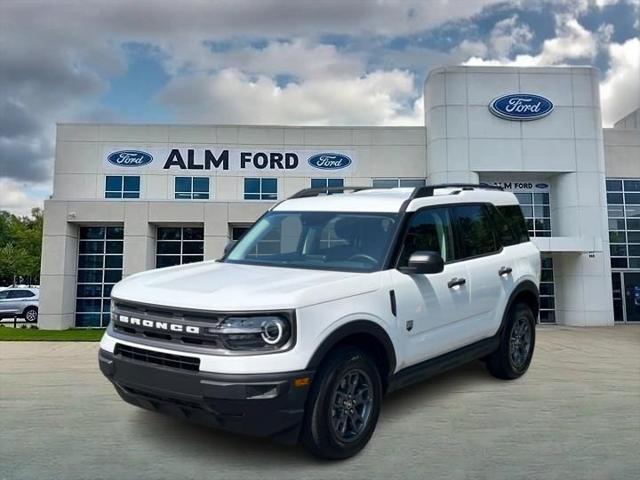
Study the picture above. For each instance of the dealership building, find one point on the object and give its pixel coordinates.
(129, 198)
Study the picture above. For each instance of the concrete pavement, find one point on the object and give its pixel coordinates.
(575, 415)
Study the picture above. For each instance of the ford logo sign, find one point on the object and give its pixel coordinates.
(542, 185)
(329, 161)
(130, 158)
(521, 106)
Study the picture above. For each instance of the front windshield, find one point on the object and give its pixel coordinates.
(317, 240)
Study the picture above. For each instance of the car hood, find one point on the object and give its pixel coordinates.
(233, 287)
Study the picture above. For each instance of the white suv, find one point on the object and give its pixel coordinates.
(327, 303)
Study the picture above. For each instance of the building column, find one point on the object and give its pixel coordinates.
(58, 269)
(582, 279)
(216, 230)
(139, 239)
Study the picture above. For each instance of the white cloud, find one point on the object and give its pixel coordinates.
(620, 90)
(20, 197)
(508, 36)
(232, 96)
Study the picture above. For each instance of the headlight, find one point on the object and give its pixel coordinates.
(261, 332)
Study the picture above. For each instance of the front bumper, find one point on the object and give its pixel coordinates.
(264, 405)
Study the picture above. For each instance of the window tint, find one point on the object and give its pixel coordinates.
(475, 231)
(429, 230)
(20, 294)
(510, 225)
(4, 294)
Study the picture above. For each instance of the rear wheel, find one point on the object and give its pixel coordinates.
(30, 314)
(344, 405)
(512, 358)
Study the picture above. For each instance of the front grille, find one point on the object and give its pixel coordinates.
(164, 314)
(157, 358)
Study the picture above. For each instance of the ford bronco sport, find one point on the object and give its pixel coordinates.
(327, 303)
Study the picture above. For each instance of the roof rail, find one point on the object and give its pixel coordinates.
(314, 192)
(428, 190)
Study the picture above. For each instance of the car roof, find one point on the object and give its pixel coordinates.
(392, 200)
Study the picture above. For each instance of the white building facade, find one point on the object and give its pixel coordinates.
(129, 198)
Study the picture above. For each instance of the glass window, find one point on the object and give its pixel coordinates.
(317, 240)
(398, 182)
(429, 230)
(632, 185)
(327, 183)
(122, 186)
(99, 268)
(632, 198)
(192, 188)
(475, 231)
(511, 225)
(179, 245)
(614, 185)
(260, 189)
(21, 294)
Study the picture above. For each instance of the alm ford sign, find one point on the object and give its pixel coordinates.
(521, 106)
(329, 161)
(130, 158)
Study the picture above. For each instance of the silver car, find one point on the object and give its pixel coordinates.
(21, 302)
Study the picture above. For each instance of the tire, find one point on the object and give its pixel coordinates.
(513, 357)
(334, 432)
(30, 314)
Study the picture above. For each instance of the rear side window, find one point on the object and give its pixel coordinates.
(510, 224)
(475, 231)
(21, 294)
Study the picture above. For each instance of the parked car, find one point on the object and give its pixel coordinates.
(20, 301)
(327, 303)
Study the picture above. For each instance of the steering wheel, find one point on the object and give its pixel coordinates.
(362, 256)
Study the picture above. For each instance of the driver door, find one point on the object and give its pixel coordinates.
(431, 307)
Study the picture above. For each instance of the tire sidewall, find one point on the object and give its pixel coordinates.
(520, 311)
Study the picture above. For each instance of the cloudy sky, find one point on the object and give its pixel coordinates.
(316, 62)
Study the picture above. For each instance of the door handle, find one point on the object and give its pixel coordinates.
(455, 282)
(505, 271)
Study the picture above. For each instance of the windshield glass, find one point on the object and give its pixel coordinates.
(317, 240)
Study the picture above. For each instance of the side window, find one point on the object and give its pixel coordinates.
(475, 231)
(4, 294)
(20, 294)
(510, 223)
(429, 230)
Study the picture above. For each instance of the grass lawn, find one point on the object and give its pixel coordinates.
(33, 335)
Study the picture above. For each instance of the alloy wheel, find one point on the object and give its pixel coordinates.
(351, 405)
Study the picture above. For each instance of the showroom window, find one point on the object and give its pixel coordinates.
(398, 182)
(192, 188)
(179, 245)
(99, 268)
(122, 186)
(623, 205)
(260, 188)
(327, 183)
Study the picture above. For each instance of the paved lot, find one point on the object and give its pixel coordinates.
(575, 415)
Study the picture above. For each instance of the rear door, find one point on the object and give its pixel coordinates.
(490, 268)
(4, 301)
(11, 301)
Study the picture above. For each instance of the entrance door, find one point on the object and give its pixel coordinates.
(632, 296)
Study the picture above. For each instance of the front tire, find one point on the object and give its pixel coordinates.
(30, 314)
(344, 405)
(513, 357)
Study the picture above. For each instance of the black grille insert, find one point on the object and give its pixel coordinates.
(158, 358)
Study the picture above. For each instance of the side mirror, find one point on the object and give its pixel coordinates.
(424, 262)
(229, 246)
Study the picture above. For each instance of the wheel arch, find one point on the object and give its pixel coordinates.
(525, 292)
(364, 334)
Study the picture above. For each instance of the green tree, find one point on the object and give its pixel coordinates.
(20, 246)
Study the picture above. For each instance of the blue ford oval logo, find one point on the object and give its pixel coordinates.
(542, 185)
(329, 161)
(130, 158)
(521, 106)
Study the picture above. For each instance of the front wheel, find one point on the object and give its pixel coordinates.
(31, 314)
(343, 406)
(511, 360)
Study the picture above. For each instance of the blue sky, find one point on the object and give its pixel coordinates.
(328, 62)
